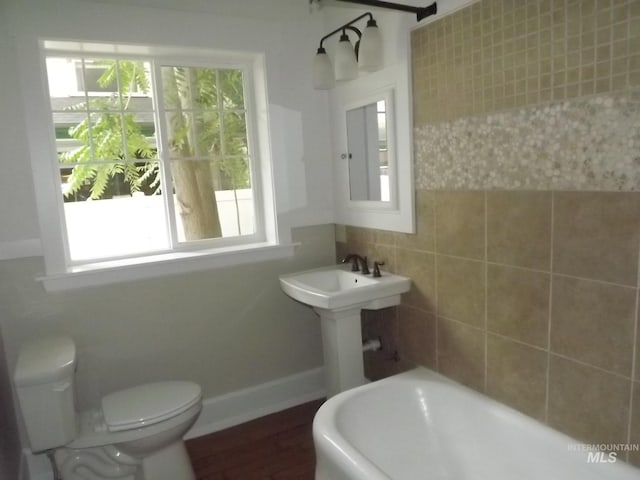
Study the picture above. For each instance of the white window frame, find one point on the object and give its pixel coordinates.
(267, 243)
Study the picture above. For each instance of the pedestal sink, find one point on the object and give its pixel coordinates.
(338, 295)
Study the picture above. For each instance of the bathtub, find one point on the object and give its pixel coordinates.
(419, 425)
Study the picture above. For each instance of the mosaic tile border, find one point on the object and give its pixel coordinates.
(590, 143)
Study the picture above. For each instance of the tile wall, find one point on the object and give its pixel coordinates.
(504, 54)
(525, 261)
(528, 296)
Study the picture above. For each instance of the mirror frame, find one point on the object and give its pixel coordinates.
(398, 214)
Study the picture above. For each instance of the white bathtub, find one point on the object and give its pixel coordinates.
(421, 426)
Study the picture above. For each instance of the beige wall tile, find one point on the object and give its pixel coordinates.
(637, 370)
(519, 228)
(383, 237)
(420, 267)
(359, 239)
(518, 304)
(460, 290)
(424, 238)
(517, 375)
(593, 322)
(587, 404)
(460, 223)
(461, 353)
(342, 249)
(634, 457)
(382, 253)
(417, 336)
(596, 235)
(380, 324)
(564, 37)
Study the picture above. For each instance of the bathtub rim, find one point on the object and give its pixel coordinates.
(340, 453)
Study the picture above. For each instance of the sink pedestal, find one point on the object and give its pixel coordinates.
(342, 344)
(342, 349)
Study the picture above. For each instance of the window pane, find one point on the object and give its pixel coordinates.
(134, 82)
(235, 134)
(231, 85)
(207, 205)
(115, 89)
(141, 140)
(189, 88)
(107, 136)
(63, 82)
(193, 134)
(72, 136)
(109, 215)
(233, 173)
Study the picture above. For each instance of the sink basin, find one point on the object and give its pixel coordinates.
(336, 287)
(338, 295)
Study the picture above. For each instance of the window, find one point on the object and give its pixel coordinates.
(155, 156)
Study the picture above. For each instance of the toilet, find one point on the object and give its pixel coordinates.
(136, 434)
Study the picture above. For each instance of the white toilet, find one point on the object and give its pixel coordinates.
(136, 435)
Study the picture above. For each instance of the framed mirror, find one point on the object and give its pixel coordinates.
(368, 146)
(373, 162)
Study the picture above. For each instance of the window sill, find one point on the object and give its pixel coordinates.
(119, 271)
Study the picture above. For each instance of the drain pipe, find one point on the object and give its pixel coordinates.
(372, 345)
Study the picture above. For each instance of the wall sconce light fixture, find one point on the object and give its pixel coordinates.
(367, 53)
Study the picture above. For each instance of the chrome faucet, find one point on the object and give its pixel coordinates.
(354, 258)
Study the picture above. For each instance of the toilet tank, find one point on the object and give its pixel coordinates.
(43, 379)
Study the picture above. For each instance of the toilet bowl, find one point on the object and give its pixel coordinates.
(136, 434)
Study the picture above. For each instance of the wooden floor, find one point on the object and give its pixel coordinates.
(275, 447)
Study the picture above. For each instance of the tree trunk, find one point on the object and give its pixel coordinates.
(193, 181)
(196, 199)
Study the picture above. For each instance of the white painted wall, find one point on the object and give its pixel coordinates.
(227, 329)
(297, 114)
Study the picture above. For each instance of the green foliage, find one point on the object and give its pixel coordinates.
(110, 137)
(200, 104)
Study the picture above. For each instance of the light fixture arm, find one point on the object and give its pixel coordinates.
(421, 12)
(348, 26)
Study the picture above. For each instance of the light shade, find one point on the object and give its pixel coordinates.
(323, 78)
(370, 52)
(346, 64)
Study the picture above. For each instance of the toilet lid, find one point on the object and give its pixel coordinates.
(148, 404)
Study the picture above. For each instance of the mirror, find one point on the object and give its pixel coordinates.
(368, 152)
(373, 157)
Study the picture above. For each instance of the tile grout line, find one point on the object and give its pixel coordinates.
(590, 365)
(435, 276)
(486, 294)
(634, 356)
(528, 269)
(633, 371)
(548, 375)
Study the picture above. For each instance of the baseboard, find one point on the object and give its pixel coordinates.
(35, 467)
(241, 406)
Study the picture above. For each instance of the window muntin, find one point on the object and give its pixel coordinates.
(114, 168)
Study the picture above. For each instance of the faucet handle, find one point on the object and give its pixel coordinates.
(376, 269)
(365, 266)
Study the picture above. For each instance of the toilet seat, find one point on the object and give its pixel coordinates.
(148, 404)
